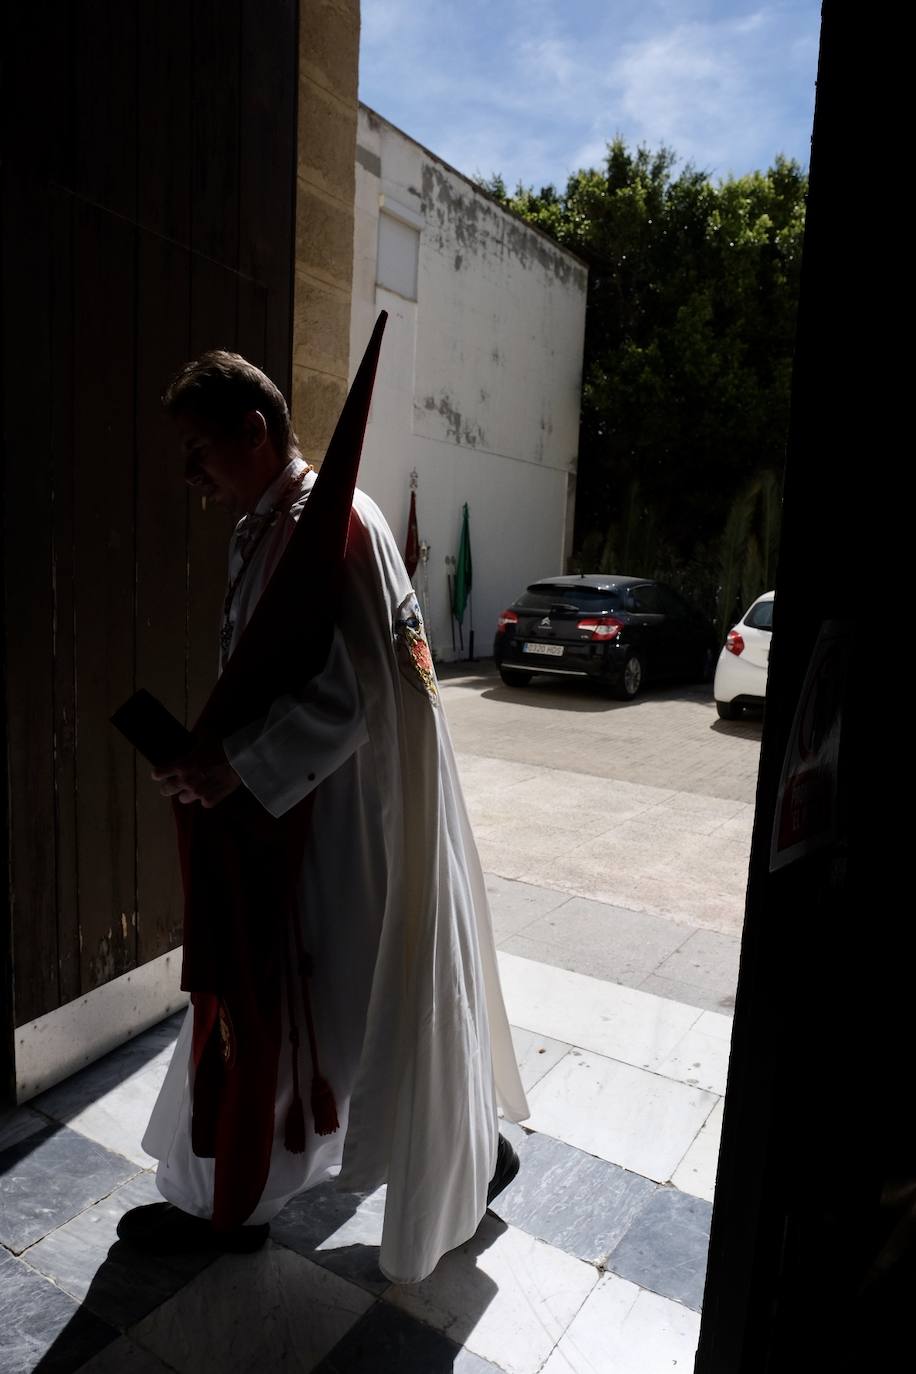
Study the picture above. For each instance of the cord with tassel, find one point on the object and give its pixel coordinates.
(294, 1131)
(324, 1108)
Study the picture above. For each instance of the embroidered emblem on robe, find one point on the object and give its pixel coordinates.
(414, 658)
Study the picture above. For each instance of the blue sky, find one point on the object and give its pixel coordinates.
(534, 89)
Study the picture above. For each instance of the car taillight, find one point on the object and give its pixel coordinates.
(507, 618)
(601, 626)
(734, 644)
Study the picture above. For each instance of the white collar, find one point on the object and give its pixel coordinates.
(294, 468)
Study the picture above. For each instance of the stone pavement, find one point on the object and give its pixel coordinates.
(615, 836)
(646, 805)
(635, 948)
(592, 1262)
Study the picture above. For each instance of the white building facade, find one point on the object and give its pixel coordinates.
(479, 385)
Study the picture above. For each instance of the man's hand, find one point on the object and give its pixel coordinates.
(203, 775)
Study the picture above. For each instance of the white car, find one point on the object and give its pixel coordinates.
(741, 673)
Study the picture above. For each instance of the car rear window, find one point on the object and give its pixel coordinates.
(577, 598)
(760, 617)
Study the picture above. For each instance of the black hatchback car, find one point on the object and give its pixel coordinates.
(620, 631)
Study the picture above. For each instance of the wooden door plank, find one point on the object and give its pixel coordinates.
(251, 302)
(104, 71)
(60, 399)
(215, 129)
(267, 185)
(164, 123)
(162, 347)
(27, 558)
(104, 376)
(213, 325)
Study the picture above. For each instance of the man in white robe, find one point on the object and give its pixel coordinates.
(408, 1012)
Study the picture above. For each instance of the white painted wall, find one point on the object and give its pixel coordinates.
(480, 377)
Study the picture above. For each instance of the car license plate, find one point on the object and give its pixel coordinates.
(555, 650)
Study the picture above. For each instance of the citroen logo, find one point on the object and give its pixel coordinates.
(545, 623)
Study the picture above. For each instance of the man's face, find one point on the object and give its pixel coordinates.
(215, 465)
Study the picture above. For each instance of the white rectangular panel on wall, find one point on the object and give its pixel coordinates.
(398, 255)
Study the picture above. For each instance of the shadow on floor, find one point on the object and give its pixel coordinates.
(749, 726)
(321, 1225)
(586, 697)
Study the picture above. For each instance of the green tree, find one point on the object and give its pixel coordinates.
(690, 324)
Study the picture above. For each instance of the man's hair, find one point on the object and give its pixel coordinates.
(220, 388)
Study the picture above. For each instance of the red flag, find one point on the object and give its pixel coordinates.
(412, 547)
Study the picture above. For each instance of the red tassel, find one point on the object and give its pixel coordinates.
(294, 1134)
(324, 1108)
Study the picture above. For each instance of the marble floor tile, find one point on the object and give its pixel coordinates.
(665, 1250)
(516, 1135)
(696, 1172)
(701, 996)
(515, 905)
(716, 1024)
(706, 957)
(388, 1341)
(48, 1178)
(572, 1200)
(603, 941)
(625, 1115)
(123, 1357)
(622, 1330)
(118, 1284)
(618, 1022)
(701, 1058)
(272, 1310)
(18, 1123)
(536, 1054)
(111, 1100)
(504, 1295)
(340, 1231)
(41, 1326)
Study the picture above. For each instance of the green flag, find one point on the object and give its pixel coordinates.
(463, 572)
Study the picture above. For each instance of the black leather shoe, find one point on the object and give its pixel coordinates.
(506, 1169)
(162, 1229)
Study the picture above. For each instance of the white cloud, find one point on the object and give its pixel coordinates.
(688, 88)
(535, 91)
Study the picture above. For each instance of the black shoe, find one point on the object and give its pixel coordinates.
(161, 1229)
(506, 1169)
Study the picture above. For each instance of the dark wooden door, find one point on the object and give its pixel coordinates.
(148, 204)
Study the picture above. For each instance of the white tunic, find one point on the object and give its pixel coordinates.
(408, 1012)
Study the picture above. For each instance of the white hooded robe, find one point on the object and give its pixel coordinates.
(411, 1026)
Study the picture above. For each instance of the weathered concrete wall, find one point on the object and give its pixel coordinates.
(480, 380)
(328, 71)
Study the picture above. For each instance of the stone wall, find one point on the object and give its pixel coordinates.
(328, 74)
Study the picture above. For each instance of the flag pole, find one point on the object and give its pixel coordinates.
(424, 595)
(451, 597)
